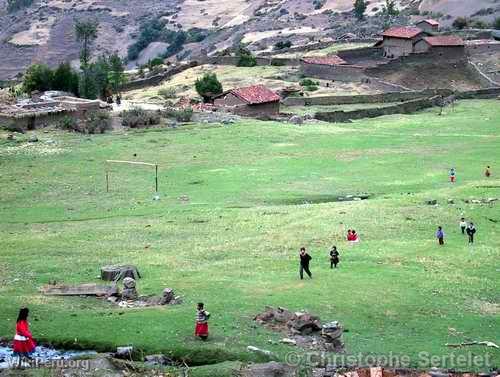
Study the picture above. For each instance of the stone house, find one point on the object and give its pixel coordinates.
(399, 41)
(443, 47)
(255, 101)
(429, 26)
(330, 68)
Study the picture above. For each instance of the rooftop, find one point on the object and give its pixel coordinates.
(430, 22)
(324, 60)
(255, 94)
(444, 40)
(405, 32)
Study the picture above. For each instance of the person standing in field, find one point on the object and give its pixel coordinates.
(24, 344)
(334, 257)
(305, 258)
(440, 235)
(463, 225)
(471, 230)
(202, 316)
(487, 172)
(453, 175)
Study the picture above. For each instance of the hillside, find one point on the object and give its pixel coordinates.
(43, 31)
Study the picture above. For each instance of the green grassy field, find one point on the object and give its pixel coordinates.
(237, 201)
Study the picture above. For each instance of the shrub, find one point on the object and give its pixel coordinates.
(138, 118)
(360, 8)
(311, 88)
(13, 5)
(68, 123)
(181, 115)
(167, 93)
(308, 82)
(479, 24)
(318, 4)
(277, 63)
(38, 77)
(282, 45)
(97, 122)
(496, 23)
(207, 86)
(247, 61)
(460, 23)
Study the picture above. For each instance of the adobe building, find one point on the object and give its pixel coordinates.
(429, 26)
(399, 41)
(331, 67)
(256, 101)
(443, 46)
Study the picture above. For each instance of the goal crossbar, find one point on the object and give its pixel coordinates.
(131, 163)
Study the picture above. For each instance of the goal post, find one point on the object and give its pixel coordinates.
(110, 162)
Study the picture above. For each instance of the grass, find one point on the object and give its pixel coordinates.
(224, 232)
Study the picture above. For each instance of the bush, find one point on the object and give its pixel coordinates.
(167, 93)
(277, 63)
(360, 8)
(208, 86)
(496, 23)
(308, 82)
(13, 5)
(138, 118)
(282, 45)
(318, 4)
(68, 123)
(97, 122)
(38, 77)
(460, 23)
(246, 58)
(181, 115)
(310, 88)
(479, 24)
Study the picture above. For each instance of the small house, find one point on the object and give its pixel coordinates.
(399, 41)
(443, 46)
(256, 101)
(428, 26)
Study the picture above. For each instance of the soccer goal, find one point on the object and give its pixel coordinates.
(110, 163)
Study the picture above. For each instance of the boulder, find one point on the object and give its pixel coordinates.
(129, 291)
(116, 273)
(304, 324)
(431, 202)
(296, 119)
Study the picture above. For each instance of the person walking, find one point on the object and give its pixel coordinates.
(24, 344)
(453, 175)
(202, 316)
(334, 257)
(471, 230)
(440, 235)
(463, 225)
(305, 258)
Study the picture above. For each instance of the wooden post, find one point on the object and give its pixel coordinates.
(107, 180)
(156, 178)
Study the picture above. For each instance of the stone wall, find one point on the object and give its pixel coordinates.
(346, 72)
(32, 122)
(357, 53)
(402, 108)
(262, 111)
(261, 61)
(481, 48)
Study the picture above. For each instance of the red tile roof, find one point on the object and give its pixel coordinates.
(430, 22)
(444, 40)
(405, 32)
(324, 60)
(255, 94)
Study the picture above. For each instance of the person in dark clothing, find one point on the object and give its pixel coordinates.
(440, 235)
(305, 258)
(471, 230)
(334, 257)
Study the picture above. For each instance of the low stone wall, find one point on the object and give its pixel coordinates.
(366, 98)
(32, 122)
(481, 48)
(348, 73)
(357, 53)
(402, 108)
(318, 46)
(487, 93)
(261, 61)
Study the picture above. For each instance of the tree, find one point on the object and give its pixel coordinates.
(65, 79)
(359, 9)
(390, 8)
(208, 86)
(246, 58)
(460, 23)
(86, 33)
(37, 77)
(116, 76)
(496, 23)
(14, 5)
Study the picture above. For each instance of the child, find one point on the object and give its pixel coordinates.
(23, 344)
(305, 258)
(453, 174)
(471, 230)
(334, 257)
(440, 235)
(487, 172)
(202, 317)
(352, 236)
(463, 225)
(349, 235)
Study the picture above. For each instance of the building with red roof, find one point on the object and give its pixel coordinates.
(429, 26)
(256, 100)
(399, 40)
(331, 67)
(442, 46)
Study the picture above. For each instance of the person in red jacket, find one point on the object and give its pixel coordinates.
(202, 317)
(24, 344)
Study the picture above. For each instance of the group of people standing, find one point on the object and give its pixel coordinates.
(453, 174)
(305, 259)
(469, 229)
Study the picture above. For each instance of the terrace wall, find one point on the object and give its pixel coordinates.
(347, 73)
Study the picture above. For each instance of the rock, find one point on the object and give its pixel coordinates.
(124, 352)
(434, 372)
(167, 297)
(289, 341)
(296, 119)
(431, 202)
(304, 324)
(259, 351)
(116, 273)
(33, 139)
(11, 137)
(129, 291)
(157, 360)
(451, 201)
(113, 299)
(271, 369)
(475, 201)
